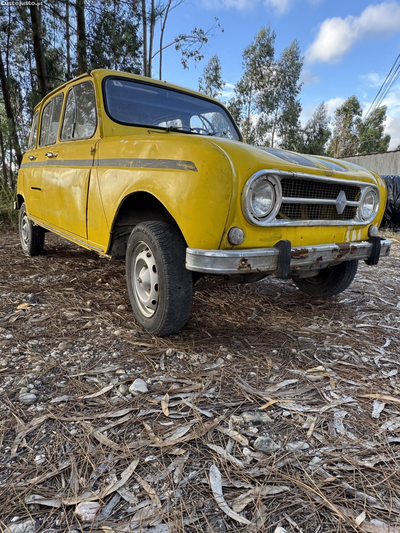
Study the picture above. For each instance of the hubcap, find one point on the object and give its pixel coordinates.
(25, 231)
(144, 279)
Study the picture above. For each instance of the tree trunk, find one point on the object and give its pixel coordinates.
(81, 36)
(36, 19)
(3, 160)
(9, 113)
(164, 22)
(144, 31)
(152, 26)
(67, 38)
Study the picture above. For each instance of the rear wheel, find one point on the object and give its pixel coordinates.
(159, 286)
(329, 281)
(31, 236)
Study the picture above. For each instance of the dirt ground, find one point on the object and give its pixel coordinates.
(270, 411)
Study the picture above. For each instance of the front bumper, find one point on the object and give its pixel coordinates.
(283, 260)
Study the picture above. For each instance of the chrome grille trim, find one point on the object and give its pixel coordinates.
(329, 206)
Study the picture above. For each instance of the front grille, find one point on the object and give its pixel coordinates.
(310, 191)
(314, 212)
(298, 188)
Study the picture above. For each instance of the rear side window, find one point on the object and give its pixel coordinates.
(50, 120)
(80, 120)
(33, 134)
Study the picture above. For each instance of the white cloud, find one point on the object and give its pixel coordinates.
(393, 129)
(227, 4)
(228, 91)
(308, 78)
(373, 79)
(338, 35)
(279, 6)
(333, 104)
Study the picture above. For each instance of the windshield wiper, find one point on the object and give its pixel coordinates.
(178, 128)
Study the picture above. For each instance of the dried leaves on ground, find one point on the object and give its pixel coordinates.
(271, 411)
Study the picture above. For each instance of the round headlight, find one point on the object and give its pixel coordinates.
(262, 199)
(369, 204)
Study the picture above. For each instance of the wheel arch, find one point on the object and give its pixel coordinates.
(135, 208)
(19, 201)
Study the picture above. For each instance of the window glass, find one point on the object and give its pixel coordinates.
(80, 113)
(68, 126)
(45, 126)
(33, 134)
(140, 104)
(50, 120)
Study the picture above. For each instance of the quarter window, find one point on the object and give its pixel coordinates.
(33, 134)
(50, 120)
(80, 113)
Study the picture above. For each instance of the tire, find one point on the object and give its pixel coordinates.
(31, 236)
(159, 286)
(329, 281)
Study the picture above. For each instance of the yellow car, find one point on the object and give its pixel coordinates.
(159, 175)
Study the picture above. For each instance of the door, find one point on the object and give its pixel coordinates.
(66, 174)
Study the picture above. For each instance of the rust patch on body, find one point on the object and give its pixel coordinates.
(344, 249)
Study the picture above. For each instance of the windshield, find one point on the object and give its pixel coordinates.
(138, 104)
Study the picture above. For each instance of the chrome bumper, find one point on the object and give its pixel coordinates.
(268, 259)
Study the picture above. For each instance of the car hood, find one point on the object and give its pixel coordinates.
(259, 158)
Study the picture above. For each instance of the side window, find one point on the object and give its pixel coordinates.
(80, 113)
(33, 134)
(50, 120)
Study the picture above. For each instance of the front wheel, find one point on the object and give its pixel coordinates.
(159, 286)
(31, 236)
(329, 281)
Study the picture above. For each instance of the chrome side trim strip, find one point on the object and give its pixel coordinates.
(160, 164)
(81, 242)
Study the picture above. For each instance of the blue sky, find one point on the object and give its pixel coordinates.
(349, 46)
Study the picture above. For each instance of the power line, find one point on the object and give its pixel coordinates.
(390, 79)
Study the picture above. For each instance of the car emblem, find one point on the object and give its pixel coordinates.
(341, 202)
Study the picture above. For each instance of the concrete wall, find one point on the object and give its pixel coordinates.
(384, 164)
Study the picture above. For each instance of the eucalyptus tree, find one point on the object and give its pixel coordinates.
(316, 133)
(211, 82)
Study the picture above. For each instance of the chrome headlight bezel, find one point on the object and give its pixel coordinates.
(247, 198)
(369, 196)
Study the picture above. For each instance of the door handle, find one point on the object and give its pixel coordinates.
(50, 154)
(32, 157)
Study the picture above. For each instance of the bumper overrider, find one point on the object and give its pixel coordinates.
(282, 260)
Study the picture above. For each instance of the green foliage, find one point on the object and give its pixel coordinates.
(266, 97)
(211, 83)
(316, 133)
(352, 135)
(8, 217)
(114, 42)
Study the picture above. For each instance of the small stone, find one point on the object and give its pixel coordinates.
(139, 385)
(266, 445)
(256, 418)
(87, 511)
(123, 389)
(296, 446)
(27, 398)
(28, 526)
(63, 346)
(121, 308)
